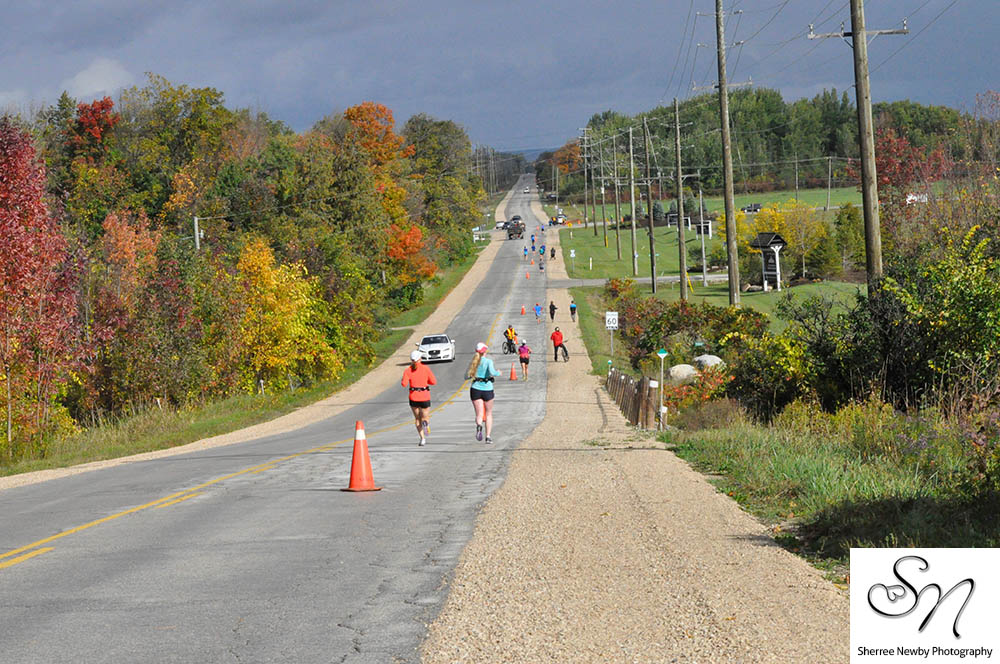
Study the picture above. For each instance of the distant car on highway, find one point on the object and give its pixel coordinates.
(753, 207)
(437, 348)
(516, 217)
(527, 190)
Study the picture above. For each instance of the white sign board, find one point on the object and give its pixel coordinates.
(572, 253)
(611, 320)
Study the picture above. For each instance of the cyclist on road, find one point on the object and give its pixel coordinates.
(483, 373)
(552, 310)
(418, 377)
(557, 343)
(572, 310)
(524, 354)
(510, 335)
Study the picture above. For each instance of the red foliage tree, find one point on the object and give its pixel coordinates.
(90, 129)
(37, 308)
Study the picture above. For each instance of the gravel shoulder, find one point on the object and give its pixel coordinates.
(601, 546)
(367, 387)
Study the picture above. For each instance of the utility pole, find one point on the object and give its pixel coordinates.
(866, 134)
(593, 190)
(681, 244)
(604, 209)
(618, 205)
(584, 139)
(197, 234)
(557, 188)
(631, 194)
(649, 203)
(701, 227)
(727, 161)
(829, 179)
(796, 178)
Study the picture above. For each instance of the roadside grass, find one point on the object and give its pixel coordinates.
(821, 495)
(156, 429)
(605, 259)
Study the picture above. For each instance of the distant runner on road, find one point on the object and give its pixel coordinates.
(483, 373)
(552, 310)
(538, 312)
(572, 310)
(525, 252)
(419, 378)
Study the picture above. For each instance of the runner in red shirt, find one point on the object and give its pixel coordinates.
(557, 343)
(419, 378)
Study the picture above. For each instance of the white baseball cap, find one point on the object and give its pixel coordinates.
(481, 347)
(414, 355)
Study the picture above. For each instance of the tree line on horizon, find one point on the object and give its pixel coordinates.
(772, 140)
(308, 243)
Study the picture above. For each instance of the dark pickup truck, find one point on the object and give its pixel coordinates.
(515, 229)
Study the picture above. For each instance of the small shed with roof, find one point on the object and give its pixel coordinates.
(769, 245)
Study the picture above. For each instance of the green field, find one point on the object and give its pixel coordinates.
(811, 197)
(605, 259)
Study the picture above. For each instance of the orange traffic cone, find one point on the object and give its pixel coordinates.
(513, 374)
(522, 309)
(361, 465)
(527, 276)
(532, 261)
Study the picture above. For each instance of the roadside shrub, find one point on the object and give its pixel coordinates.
(769, 372)
(709, 384)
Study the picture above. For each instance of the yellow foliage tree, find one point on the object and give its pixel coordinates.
(281, 333)
(798, 224)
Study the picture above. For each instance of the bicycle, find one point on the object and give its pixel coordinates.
(565, 354)
(509, 347)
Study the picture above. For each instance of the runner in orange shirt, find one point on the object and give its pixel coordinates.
(419, 378)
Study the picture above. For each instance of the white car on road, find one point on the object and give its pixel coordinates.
(437, 348)
(527, 191)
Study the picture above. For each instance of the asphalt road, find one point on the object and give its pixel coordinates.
(251, 552)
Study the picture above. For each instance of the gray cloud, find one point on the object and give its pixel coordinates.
(515, 74)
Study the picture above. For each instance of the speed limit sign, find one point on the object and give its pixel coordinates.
(611, 320)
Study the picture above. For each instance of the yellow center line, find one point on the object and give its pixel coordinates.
(21, 559)
(178, 500)
(193, 491)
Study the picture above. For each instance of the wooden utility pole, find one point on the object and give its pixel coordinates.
(631, 195)
(649, 203)
(866, 134)
(727, 162)
(681, 243)
(604, 209)
(593, 190)
(618, 205)
(829, 179)
(584, 130)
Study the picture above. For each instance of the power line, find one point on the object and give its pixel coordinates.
(910, 40)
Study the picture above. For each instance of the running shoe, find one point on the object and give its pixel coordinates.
(479, 432)
(423, 441)
(427, 429)
(489, 441)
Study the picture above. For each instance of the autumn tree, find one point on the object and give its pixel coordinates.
(37, 321)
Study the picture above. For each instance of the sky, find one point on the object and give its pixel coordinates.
(516, 75)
